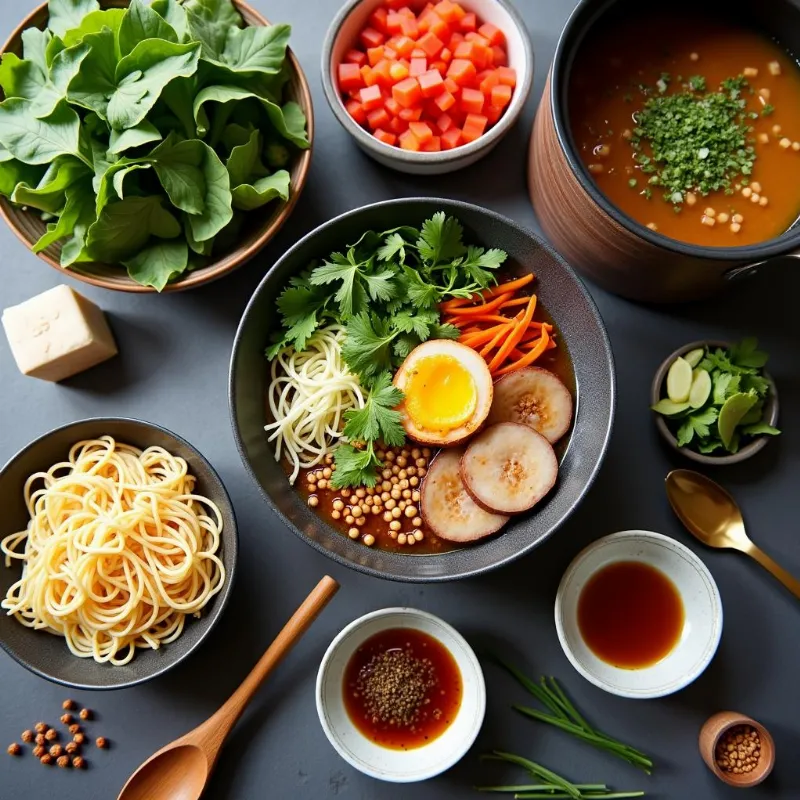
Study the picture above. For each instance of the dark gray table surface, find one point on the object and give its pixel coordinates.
(172, 369)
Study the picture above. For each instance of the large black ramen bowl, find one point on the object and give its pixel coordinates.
(48, 655)
(582, 333)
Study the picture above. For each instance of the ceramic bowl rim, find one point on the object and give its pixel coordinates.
(220, 601)
(471, 662)
(219, 267)
(699, 567)
(484, 142)
(772, 411)
(353, 564)
(566, 49)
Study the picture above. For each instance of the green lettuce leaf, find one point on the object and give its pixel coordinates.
(159, 263)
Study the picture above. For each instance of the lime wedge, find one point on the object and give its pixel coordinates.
(669, 409)
(701, 388)
(679, 381)
(732, 413)
(694, 357)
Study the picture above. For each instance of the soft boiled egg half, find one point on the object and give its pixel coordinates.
(448, 392)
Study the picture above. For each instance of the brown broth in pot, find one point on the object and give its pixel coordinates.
(606, 92)
(412, 536)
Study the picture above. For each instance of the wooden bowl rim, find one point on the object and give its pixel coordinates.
(732, 720)
(226, 264)
(785, 244)
(772, 411)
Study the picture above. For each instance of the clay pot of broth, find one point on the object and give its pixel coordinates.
(591, 201)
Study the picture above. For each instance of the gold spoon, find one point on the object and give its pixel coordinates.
(180, 770)
(712, 515)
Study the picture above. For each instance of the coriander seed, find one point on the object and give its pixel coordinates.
(14, 749)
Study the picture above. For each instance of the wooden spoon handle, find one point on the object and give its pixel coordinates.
(215, 729)
(788, 580)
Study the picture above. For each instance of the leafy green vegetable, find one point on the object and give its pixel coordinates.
(108, 100)
(732, 409)
(385, 289)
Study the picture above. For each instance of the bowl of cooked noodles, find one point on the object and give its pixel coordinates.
(118, 539)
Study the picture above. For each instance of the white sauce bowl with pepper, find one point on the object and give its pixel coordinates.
(400, 695)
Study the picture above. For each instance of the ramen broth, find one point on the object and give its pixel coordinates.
(619, 68)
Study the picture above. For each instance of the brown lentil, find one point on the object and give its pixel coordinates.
(739, 750)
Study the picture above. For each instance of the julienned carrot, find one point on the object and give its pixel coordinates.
(456, 302)
(498, 337)
(487, 333)
(531, 357)
(517, 301)
(484, 308)
(514, 337)
(509, 287)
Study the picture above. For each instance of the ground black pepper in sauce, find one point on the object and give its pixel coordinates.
(402, 688)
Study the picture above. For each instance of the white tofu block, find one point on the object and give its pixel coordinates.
(57, 334)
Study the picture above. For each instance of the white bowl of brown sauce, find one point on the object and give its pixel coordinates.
(638, 614)
(400, 695)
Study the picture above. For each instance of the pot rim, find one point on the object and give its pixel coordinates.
(562, 64)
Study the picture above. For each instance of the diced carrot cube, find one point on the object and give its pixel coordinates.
(369, 37)
(406, 12)
(356, 111)
(356, 57)
(451, 138)
(446, 10)
(350, 77)
(507, 76)
(419, 66)
(371, 97)
(444, 122)
(407, 92)
(408, 141)
(389, 53)
(392, 106)
(431, 44)
(409, 27)
(446, 55)
(375, 54)
(370, 78)
(467, 23)
(451, 86)
(378, 17)
(493, 113)
(421, 130)
(499, 57)
(382, 72)
(445, 100)
(394, 5)
(483, 55)
(474, 126)
(398, 125)
(411, 114)
(439, 66)
(439, 27)
(378, 118)
(458, 12)
(433, 146)
(384, 136)
(472, 100)
(418, 52)
(476, 37)
(487, 80)
(492, 33)
(398, 71)
(402, 45)
(500, 96)
(464, 50)
(431, 83)
(455, 40)
(463, 72)
(394, 24)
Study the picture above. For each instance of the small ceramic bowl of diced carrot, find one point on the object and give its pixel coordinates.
(427, 87)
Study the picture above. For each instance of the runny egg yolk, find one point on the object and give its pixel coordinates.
(441, 394)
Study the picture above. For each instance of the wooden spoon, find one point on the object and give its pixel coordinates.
(711, 514)
(180, 770)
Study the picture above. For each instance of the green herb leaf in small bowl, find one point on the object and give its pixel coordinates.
(715, 399)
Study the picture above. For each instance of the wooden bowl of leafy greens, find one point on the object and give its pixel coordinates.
(150, 146)
(714, 401)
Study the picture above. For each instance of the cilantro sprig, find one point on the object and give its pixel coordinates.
(385, 289)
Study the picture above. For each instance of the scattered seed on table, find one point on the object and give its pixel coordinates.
(68, 705)
(40, 740)
(51, 735)
(28, 736)
(79, 738)
(85, 714)
(14, 749)
(39, 751)
(56, 750)
(46, 759)
(78, 762)
(40, 727)
(74, 728)
(102, 742)
(72, 748)
(67, 719)
(63, 761)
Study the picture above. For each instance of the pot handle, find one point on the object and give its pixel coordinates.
(748, 270)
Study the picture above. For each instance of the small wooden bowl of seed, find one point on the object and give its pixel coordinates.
(737, 749)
